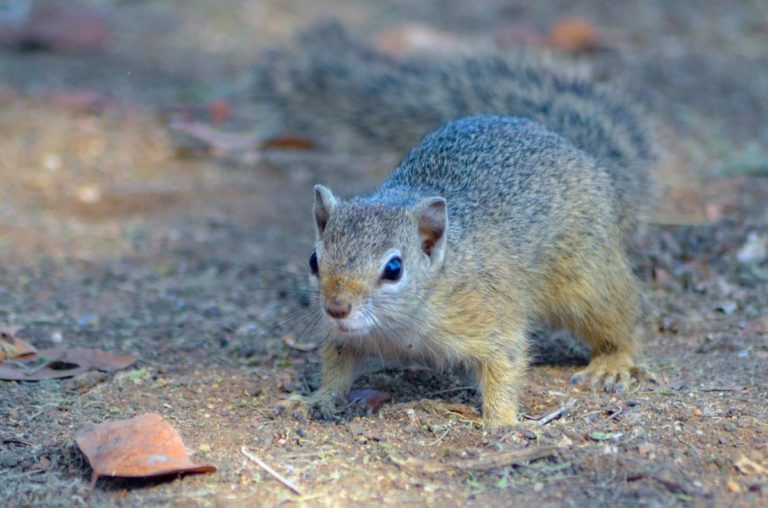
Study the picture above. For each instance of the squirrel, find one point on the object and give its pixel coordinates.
(513, 211)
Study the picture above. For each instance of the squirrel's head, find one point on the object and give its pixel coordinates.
(372, 262)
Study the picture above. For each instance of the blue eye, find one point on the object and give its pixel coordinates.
(393, 269)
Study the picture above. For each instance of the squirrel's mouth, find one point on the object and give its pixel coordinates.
(350, 326)
(352, 323)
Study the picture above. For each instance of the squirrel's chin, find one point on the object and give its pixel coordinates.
(352, 331)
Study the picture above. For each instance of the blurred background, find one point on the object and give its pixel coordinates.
(149, 204)
(91, 91)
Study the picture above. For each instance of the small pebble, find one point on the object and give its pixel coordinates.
(356, 429)
(211, 312)
(9, 459)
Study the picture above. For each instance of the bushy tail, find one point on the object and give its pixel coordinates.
(332, 80)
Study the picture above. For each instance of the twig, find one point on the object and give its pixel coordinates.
(306, 498)
(722, 389)
(277, 476)
(557, 413)
(616, 413)
(305, 347)
(433, 443)
(449, 390)
(10, 440)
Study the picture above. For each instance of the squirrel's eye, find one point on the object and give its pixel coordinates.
(393, 269)
(313, 263)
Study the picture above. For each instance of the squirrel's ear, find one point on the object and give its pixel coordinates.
(325, 202)
(432, 217)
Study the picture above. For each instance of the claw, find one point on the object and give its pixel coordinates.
(303, 408)
(578, 378)
(611, 373)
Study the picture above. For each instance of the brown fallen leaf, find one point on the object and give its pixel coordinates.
(11, 347)
(219, 110)
(289, 142)
(64, 362)
(485, 462)
(139, 447)
(573, 35)
(366, 397)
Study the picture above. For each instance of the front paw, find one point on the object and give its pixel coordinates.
(612, 373)
(320, 404)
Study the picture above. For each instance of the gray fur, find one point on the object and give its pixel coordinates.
(500, 221)
(333, 79)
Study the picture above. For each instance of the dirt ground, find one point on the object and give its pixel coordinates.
(113, 234)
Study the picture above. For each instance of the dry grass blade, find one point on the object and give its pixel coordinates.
(559, 412)
(304, 347)
(274, 474)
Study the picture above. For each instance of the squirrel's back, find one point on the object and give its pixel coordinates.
(514, 179)
(332, 77)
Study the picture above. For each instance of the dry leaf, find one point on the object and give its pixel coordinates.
(573, 35)
(142, 446)
(373, 398)
(220, 110)
(289, 142)
(11, 347)
(64, 362)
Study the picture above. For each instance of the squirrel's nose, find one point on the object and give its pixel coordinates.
(338, 309)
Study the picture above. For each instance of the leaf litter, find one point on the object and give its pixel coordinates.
(141, 447)
(11, 347)
(62, 362)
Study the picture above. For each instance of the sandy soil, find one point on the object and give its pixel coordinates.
(114, 235)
